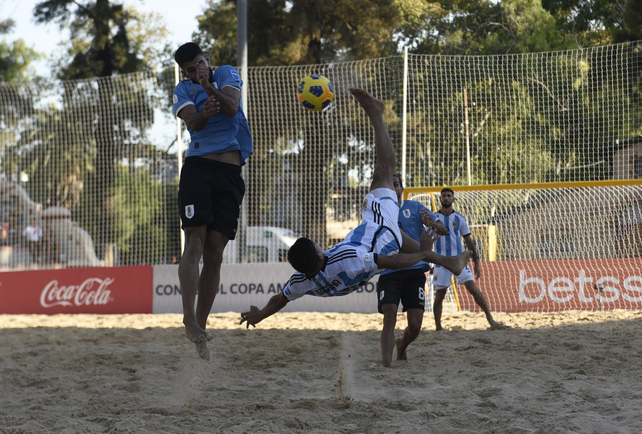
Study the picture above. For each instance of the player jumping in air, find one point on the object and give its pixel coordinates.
(376, 244)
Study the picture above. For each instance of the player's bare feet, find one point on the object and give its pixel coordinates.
(498, 326)
(401, 355)
(202, 350)
(458, 263)
(196, 334)
(371, 105)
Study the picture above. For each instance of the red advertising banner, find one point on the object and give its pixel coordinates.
(77, 290)
(556, 285)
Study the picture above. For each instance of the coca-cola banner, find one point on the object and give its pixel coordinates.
(77, 290)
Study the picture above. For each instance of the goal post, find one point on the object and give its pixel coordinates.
(552, 246)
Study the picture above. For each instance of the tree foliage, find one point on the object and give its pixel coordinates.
(15, 57)
(100, 123)
(303, 32)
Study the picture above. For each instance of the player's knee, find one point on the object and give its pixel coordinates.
(389, 314)
(414, 327)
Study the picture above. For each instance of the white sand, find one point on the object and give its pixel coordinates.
(571, 372)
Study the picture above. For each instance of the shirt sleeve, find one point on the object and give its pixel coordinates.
(228, 76)
(180, 98)
(292, 290)
(464, 230)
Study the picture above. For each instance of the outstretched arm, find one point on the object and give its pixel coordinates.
(255, 316)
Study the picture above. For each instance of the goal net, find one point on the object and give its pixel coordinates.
(553, 247)
(96, 161)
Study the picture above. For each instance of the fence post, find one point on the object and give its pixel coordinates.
(403, 116)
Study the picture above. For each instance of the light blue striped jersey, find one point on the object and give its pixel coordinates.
(451, 244)
(351, 263)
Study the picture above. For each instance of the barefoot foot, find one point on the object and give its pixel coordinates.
(202, 350)
(459, 262)
(371, 105)
(401, 354)
(498, 326)
(197, 334)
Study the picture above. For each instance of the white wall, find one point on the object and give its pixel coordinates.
(243, 285)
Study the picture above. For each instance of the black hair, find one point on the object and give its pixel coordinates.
(303, 256)
(187, 52)
(445, 190)
(399, 178)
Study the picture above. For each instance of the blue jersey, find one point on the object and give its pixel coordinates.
(451, 244)
(222, 133)
(410, 222)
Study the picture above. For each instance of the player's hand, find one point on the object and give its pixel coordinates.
(427, 239)
(251, 317)
(438, 226)
(426, 218)
(211, 106)
(477, 270)
(203, 74)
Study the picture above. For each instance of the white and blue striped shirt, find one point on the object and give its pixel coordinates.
(351, 263)
(451, 244)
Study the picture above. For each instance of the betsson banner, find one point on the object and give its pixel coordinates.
(77, 290)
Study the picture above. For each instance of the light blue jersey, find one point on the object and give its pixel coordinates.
(410, 222)
(451, 244)
(351, 263)
(222, 133)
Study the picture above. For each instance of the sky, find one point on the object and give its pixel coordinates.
(180, 21)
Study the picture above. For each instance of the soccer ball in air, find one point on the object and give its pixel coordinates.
(315, 92)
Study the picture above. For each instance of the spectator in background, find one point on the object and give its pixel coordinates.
(50, 250)
(33, 235)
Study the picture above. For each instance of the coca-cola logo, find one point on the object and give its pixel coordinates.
(92, 291)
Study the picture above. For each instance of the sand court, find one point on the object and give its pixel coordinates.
(321, 373)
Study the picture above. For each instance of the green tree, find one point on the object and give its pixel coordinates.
(588, 23)
(301, 32)
(15, 57)
(108, 39)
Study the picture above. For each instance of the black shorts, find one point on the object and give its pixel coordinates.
(407, 286)
(210, 193)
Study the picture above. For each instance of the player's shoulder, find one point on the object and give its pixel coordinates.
(183, 88)
(341, 252)
(458, 214)
(183, 83)
(412, 204)
(227, 71)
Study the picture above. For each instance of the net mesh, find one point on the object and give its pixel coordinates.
(94, 161)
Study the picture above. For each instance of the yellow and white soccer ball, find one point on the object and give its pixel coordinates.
(315, 92)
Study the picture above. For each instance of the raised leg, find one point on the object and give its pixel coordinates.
(385, 165)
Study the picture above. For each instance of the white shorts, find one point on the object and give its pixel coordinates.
(441, 277)
(379, 229)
